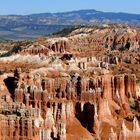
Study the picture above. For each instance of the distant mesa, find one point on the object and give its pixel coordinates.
(20, 27)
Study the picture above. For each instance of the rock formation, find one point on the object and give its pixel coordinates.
(71, 91)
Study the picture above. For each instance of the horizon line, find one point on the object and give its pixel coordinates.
(59, 12)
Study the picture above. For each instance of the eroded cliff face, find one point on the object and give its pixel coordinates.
(48, 108)
(67, 95)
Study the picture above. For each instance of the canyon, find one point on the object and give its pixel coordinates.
(84, 85)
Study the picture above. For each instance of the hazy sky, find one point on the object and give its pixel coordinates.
(40, 6)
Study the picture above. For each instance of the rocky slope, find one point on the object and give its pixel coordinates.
(84, 85)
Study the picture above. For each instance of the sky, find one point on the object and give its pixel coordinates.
(25, 7)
